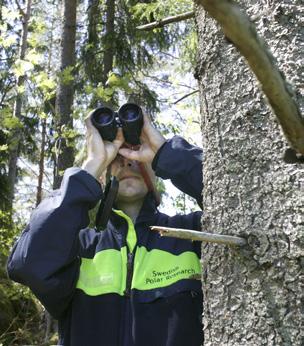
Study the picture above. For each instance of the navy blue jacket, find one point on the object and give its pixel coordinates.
(125, 285)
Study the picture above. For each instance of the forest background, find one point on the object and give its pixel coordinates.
(51, 78)
(191, 78)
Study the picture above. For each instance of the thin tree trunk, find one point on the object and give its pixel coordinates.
(92, 51)
(109, 40)
(252, 295)
(44, 124)
(16, 138)
(65, 93)
(41, 162)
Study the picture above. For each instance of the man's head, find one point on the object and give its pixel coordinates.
(132, 185)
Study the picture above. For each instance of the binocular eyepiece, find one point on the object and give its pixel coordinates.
(129, 117)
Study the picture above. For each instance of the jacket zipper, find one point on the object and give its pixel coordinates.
(129, 274)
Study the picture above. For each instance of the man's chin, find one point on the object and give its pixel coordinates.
(130, 195)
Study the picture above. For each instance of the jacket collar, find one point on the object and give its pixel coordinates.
(147, 214)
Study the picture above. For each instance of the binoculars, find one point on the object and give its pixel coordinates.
(129, 117)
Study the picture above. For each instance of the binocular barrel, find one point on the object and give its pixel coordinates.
(129, 117)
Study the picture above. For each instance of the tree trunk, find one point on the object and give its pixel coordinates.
(48, 108)
(252, 296)
(16, 138)
(41, 162)
(109, 40)
(92, 51)
(65, 93)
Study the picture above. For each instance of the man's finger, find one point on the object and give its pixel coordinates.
(88, 121)
(147, 123)
(119, 136)
(129, 154)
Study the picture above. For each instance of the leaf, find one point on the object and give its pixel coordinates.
(33, 57)
(7, 42)
(22, 66)
(108, 91)
(44, 82)
(8, 14)
(3, 147)
(42, 115)
(99, 92)
(113, 80)
(12, 123)
(117, 81)
(66, 75)
(33, 41)
(20, 89)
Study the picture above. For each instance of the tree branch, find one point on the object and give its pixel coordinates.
(185, 96)
(20, 9)
(238, 28)
(161, 23)
(199, 236)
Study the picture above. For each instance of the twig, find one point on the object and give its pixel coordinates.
(160, 80)
(31, 169)
(199, 236)
(20, 9)
(185, 96)
(238, 28)
(165, 21)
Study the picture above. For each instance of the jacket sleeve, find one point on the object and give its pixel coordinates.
(182, 163)
(45, 257)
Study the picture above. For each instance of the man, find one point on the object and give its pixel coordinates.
(125, 285)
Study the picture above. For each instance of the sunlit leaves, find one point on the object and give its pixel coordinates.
(160, 9)
(3, 147)
(115, 80)
(46, 84)
(22, 66)
(10, 123)
(34, 57)
(8, 41)
(8, 14)
(66, 75)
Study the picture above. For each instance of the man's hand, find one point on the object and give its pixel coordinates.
(151, 141)
(100, 153)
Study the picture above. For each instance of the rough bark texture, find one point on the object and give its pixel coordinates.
(65, 92)
(231, 18)
(253, 296)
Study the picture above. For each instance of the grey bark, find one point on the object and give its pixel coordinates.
(16, 138)
(238, 28)
(253, 295)
(65, 92)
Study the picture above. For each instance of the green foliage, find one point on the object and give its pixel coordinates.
(137, 54)
(66, 76)
(157, 10)
(184, 204)
(20, 313)
(8, 14)
(21, 67)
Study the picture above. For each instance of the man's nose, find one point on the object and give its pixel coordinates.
(124, 162)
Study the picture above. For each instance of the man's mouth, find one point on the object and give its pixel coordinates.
(129, 177)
